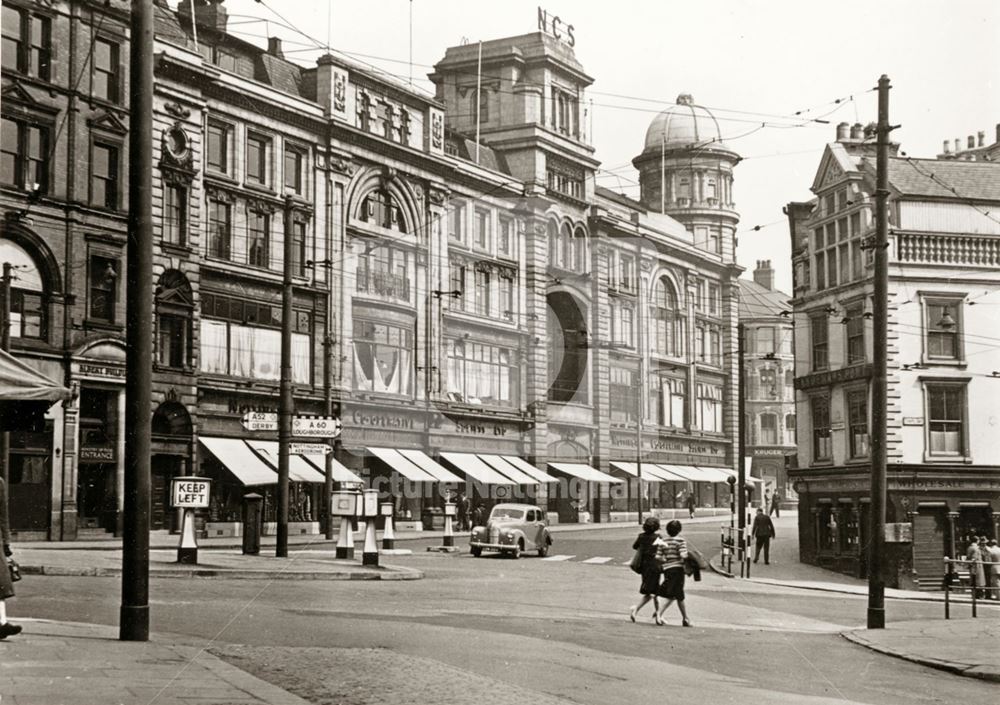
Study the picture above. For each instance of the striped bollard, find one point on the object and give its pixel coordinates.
(369, 555)
(345, 542)
(450, 509)
(388, 535)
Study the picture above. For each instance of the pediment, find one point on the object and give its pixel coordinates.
(16, 95)
(834, 167)
(109, 122)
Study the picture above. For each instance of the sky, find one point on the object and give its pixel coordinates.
(781, 63)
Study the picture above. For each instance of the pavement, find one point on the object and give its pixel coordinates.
(73, 663)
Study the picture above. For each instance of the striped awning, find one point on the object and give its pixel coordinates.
(584, 472)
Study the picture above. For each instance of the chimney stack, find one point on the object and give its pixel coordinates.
(947, 147)
(843, 131)
(958, 145)
(764, 275)
(982, 138)
(857, 131)
(274, 47)
(208, 13)
(971, 142)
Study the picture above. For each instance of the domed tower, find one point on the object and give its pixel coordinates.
(686, 172)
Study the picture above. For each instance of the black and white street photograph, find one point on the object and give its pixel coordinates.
(467, 352)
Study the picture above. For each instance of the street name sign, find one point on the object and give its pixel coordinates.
(316, 426)
(260, 421)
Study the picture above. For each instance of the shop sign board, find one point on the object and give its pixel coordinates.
(901, 532)
(260, 421)
(190, 492)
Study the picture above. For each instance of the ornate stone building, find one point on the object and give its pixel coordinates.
(943, 478)
(474, 312)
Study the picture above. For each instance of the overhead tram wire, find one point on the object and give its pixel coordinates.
(795, 118)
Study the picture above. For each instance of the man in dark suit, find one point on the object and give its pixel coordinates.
(763, 532)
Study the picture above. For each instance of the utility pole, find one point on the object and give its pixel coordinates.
(741, 445)
(639, 382)
(5, 346)
(880, 307)
(286, 402)
(134, 617)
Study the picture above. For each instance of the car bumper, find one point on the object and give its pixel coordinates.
(492, 546)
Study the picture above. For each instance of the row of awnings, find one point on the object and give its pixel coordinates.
(255, 462)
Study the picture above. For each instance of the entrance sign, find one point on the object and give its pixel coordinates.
(260, 421)
(316, 426)
(190, 492)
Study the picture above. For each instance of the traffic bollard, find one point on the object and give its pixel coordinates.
(369, 555)
(187, 551)
(388, 535)
(345, 542)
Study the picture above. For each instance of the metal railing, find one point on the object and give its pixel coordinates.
(959, 578)
(735, 544)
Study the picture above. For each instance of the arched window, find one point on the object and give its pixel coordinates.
(171, 419)
(174, 308)
(790, 428)
(580, 257)
(381, 209)
(29, 299)
(566, 242)
(553, 233)
(668, 323)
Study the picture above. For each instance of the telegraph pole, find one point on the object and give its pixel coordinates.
(286, 402)
(880, 307)
(5, 346)
(741, 445)
(134, 617)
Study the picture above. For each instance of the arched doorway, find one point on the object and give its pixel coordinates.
(171, 446)
(567, 335)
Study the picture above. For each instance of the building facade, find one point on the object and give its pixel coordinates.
(769, 375)
(943, 477)
(450, 297)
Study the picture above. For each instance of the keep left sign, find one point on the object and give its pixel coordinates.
(190, 492)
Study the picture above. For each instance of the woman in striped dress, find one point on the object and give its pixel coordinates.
(671, 552)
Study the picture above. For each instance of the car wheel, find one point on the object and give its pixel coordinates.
(516, 553)
(543, 551)
(476, 551)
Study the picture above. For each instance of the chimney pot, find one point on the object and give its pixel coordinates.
(843, 131)
(857, 131)
(998, 132)
(947, 147)
(981, 138)
(958, 146)
(274, 47)
(971, 142)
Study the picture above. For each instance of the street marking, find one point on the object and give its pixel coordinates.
(598, 560)
(559, 558)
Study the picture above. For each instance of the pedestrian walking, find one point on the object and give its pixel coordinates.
(974, 558)
(6, 584)
(762, 531)
(463, 512)
(690, 504)
(671, 553)
(993, 579)
(645, 543)
(775, 505)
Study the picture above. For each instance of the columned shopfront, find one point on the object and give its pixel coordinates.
(930, 513)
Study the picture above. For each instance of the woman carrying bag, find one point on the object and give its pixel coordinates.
(671, 554)
(648, 567)
(6, 583)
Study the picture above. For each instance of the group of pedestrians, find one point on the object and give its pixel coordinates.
(983, 558)
(662, 569)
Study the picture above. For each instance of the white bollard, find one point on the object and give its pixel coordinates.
(345, 542)
(388, 535)
(187, 551)
(369, 556)
(449, 536)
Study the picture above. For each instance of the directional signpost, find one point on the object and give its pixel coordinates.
(260, 421)
(309, 449)
(316, 426)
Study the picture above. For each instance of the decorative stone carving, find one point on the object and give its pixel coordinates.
(260, 205)
(438, 196)
(437, 130)
(177, 110)
(342, 164)
(217, 193)
(339, 92)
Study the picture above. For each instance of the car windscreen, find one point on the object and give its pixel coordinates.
(504, 513)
